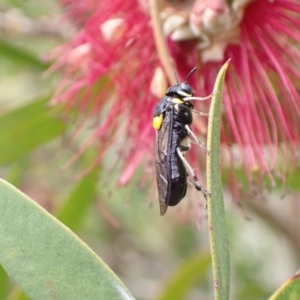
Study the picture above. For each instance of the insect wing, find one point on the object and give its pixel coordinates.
(162, 161)
(162, 106)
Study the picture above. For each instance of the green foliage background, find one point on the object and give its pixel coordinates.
(156, 258)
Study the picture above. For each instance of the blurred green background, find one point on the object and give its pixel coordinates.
(156, 257)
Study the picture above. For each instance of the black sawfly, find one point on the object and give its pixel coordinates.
(172, 119)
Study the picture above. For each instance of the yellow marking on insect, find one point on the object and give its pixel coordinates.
(176, 107)
(177, 101)
(157, 121)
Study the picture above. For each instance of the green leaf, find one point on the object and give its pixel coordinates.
(290, 290)
(20, 296)
(215, 205)
(16, 294)
(19, 55)
(192, 270)
(46, 259)
(4, 283)
(26, 128)
(74, 209)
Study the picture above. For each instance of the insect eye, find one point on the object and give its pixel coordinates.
(186, 90)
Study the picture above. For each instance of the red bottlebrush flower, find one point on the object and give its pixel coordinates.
(115, 52)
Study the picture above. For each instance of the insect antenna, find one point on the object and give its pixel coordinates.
(175, 76)
(191, 72)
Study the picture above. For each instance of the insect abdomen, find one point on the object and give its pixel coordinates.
(178, 180)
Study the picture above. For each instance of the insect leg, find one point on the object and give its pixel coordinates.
(200, 98)
(200, 113)
(189, 130)
(190, 170)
